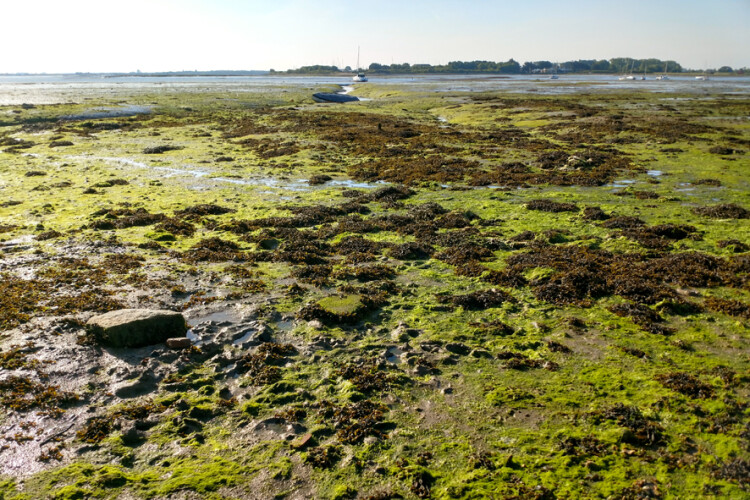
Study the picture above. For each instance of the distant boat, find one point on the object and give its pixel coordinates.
(361, 77)
(702, 77)
(630, 76)
(663, 76)
(333, 98)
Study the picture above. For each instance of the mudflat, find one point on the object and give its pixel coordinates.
(520, 291)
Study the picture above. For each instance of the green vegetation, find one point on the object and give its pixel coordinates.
(474, 295)
(614, 65)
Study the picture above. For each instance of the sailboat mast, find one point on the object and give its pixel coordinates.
(357, 57)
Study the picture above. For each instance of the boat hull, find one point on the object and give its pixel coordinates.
(333, 98)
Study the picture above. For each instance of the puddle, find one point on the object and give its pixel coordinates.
(622, 183)
(300, 185)
(192, 336)
(654, 173)
(393, 355)
(244, 338)
(278, 426)
(226, 316)
(110, 112)
(285, 325)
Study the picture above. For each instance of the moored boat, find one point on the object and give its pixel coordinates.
(360, 77)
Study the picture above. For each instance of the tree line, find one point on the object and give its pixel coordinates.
(615, 65)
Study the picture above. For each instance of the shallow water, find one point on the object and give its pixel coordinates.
(54, 89)
(204, 176)
(110, 112)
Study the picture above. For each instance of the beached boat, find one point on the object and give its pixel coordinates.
(333, 98)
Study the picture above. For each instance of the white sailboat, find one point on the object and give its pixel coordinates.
(663, 76)
(630, 76)
(360, 77)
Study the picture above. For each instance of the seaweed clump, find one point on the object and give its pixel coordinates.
(735, 308)
(261, 366)
(214, 250)
(366, 376)
(22, 394)
(643, 316)
(582, 447)
(323, 457)
(479, 300)
(640, 430)
(724, 211)
(355, 421)
(660, 236)
(154, 150)
(737, 470)
(545, 205)
(686, 384)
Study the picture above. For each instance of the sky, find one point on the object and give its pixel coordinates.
(56, 36)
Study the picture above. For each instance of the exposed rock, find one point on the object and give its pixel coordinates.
(302, 441)
(179, 343)
(136, 327)
(402, 333)
(457, 348)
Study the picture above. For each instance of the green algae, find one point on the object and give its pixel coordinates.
(466, 425)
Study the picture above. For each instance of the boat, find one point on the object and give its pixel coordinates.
(664, 75)
(327, 97)
(630, 76)
(361, 77)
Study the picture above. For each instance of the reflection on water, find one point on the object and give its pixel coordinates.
(205, 176)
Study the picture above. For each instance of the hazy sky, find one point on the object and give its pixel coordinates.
(153, 35)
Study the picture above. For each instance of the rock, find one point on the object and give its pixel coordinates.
(131, 435)
(481, 353)
(315, 324)
(136, 327)
(422, 370)
(302, 441)
(457, 348)
(402, 333)
(179, 343)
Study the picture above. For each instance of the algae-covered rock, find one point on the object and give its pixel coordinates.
(341, 306)
(335, 309)
(136, 327)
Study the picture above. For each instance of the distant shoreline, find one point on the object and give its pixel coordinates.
(343, 75)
